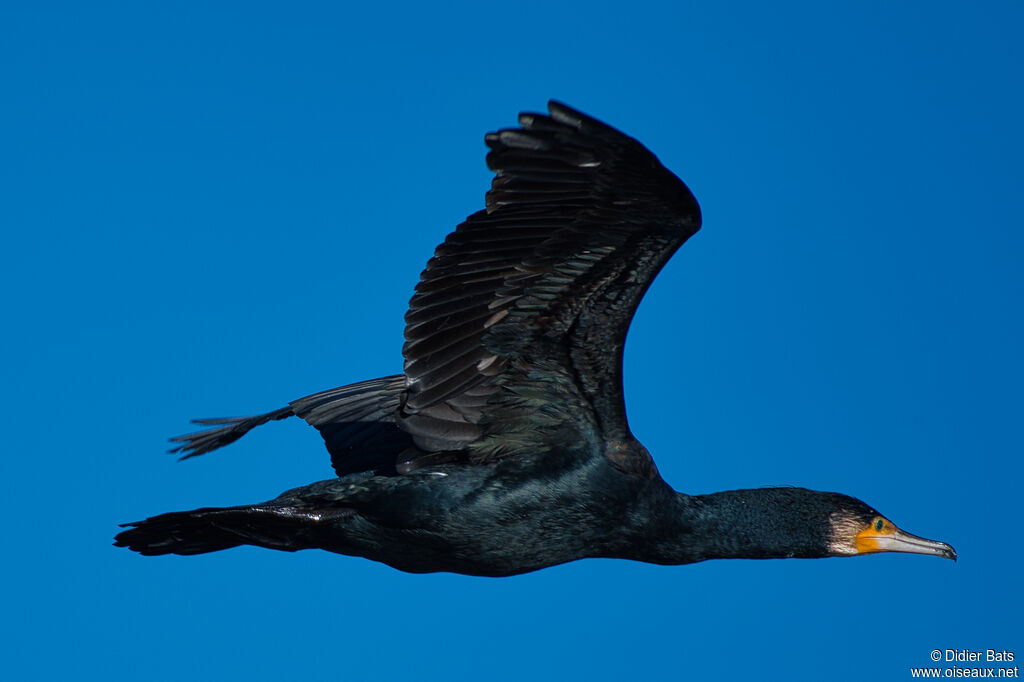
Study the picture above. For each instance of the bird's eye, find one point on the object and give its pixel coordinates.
(879, 523)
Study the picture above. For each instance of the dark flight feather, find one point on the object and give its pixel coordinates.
(518, 323)
(549, 275)
(357, 423)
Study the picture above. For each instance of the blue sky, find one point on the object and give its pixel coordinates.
(210, 210)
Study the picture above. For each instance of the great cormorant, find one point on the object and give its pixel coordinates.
(503, 447)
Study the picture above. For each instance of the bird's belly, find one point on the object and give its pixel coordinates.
(486, 541)
(475, 554)
(492, 521)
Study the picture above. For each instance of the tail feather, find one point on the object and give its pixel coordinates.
(212, 529)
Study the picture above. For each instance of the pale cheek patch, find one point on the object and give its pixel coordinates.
(843, 536)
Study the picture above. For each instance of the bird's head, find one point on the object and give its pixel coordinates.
(857, 529)
(775, 523)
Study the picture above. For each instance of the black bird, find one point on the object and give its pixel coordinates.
(503, 447)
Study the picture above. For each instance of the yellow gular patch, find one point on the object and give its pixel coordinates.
(867, 540)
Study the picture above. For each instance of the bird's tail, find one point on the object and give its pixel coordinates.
(215, 528)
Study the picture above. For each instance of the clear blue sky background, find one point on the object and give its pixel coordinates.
(210, 209)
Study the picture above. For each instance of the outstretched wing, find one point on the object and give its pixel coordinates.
(514, 336)
(357, 423)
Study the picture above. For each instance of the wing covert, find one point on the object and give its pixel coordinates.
(517, 326)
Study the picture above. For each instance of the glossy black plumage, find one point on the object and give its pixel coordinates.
(504, 446)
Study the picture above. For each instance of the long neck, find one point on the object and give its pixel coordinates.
(764, 523)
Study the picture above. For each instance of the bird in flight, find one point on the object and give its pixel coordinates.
(503, 447)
